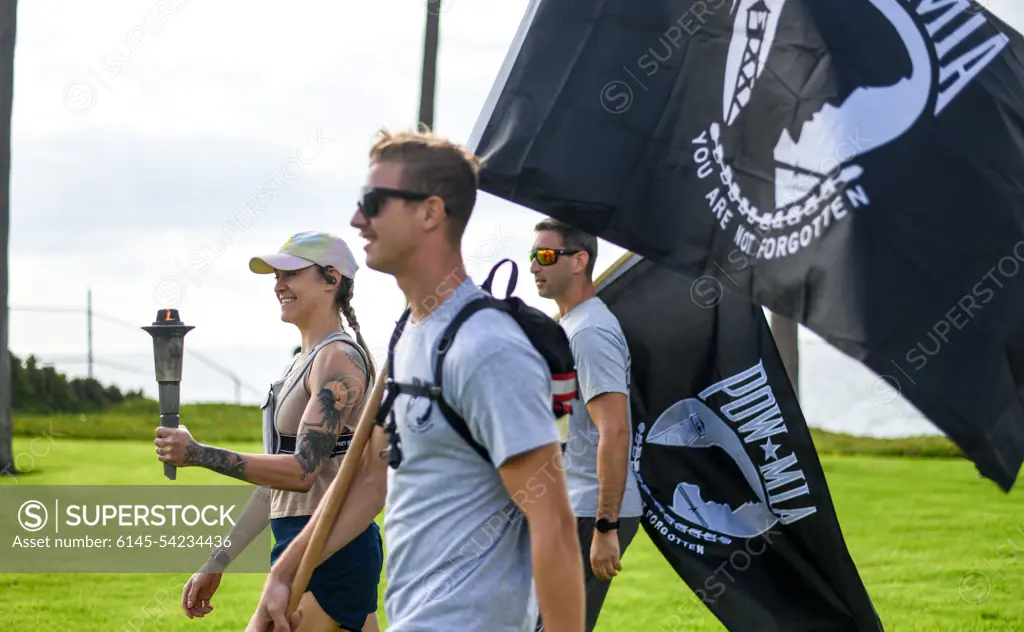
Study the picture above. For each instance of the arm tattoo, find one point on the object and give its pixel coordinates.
(317, 439)
(217, 459)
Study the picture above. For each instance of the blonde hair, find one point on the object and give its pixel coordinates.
(433, 165)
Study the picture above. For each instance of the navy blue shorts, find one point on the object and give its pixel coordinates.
(345, 585)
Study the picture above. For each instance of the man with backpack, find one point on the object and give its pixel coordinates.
(602, 488)
(470, 515)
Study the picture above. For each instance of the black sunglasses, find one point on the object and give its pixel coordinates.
(369, 206)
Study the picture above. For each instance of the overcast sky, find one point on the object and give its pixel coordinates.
(140, 133)
(140, 129)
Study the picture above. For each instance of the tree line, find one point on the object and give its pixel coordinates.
(41, 389)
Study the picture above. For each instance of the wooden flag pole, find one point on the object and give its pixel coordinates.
(336, 493)
(612, 268)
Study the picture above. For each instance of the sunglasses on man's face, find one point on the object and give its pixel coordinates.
(373, 198)
(548, 256)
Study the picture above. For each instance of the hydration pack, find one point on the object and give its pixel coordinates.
(544, 333)
(275, 442)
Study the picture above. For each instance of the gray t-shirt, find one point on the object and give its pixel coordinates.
(602, 366)
(458, 547)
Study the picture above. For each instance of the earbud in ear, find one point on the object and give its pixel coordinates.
(330, 280)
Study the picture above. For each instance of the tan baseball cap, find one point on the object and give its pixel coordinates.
(305, 249)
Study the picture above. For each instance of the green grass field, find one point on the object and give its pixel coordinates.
(937, 547)
(215, 423)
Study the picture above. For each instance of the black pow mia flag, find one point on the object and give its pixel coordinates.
(857, 166)
(734, 495)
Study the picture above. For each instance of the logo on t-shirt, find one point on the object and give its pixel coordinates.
(419, 410)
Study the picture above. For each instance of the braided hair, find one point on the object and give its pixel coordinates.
(343, 302)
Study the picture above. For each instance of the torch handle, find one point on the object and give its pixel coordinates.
(170, 420)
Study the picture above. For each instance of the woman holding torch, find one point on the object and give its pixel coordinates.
(308, 420)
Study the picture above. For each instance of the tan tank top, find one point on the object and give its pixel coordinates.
(286, 402)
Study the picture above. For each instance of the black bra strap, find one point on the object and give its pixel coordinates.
(287, 445)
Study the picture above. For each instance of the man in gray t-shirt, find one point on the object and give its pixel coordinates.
(454, 535)
(464, 535)
(602, 487)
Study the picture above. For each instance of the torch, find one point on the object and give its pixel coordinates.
(168, 334)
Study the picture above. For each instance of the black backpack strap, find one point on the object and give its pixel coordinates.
(512, 279)
(392, 392)
(288, 442)
(395, 336)
(393, 453)
(434, 391)
(444, 345)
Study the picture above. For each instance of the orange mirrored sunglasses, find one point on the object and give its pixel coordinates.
(548, 256)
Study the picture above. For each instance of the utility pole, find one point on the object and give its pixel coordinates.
(230, 374)
(235, 379)
(428, 78)
(786, 334)
(88, 326)
(8, 24)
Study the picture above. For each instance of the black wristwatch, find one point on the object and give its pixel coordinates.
(604, 525)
